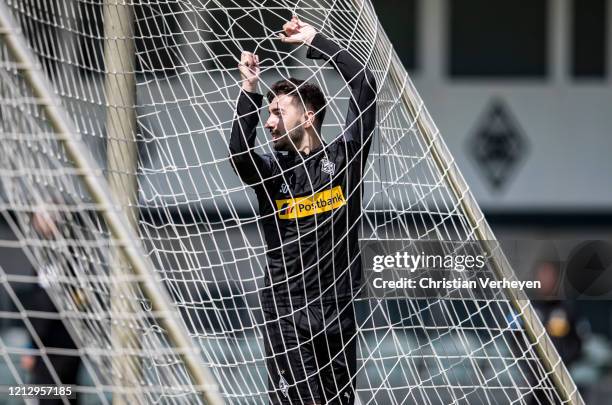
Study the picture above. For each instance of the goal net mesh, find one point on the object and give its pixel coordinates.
(198, 223)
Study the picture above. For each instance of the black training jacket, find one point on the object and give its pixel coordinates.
(310, 205)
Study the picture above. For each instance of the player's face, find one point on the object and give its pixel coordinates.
(286, 123)
(547, 274)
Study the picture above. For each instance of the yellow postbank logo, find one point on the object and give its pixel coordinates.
(323, 201)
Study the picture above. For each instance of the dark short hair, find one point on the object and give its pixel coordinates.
(301, 90)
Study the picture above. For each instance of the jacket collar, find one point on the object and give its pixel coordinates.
(312, 152)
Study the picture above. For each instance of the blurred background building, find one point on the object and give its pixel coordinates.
(522, 93)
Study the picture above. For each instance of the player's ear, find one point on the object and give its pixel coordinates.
(310, 118)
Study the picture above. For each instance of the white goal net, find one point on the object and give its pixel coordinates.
(117, 182)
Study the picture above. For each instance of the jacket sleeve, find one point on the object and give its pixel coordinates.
(361, 116)
(251, 167)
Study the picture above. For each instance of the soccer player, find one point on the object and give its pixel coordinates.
(309, 196)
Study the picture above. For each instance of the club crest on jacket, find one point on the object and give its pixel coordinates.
(328, 166)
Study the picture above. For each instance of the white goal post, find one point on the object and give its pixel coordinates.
(132, 259)
(115, 127)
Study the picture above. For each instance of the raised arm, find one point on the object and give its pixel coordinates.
(361, 116)
(252, 167)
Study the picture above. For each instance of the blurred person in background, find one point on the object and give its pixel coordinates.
(557, 315)
(51, 331)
